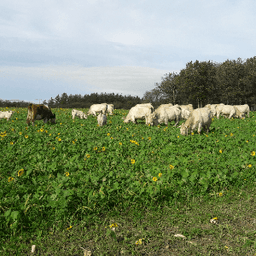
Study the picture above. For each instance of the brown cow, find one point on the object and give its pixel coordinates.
(39, 112)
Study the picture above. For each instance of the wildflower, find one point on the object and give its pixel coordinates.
(154, 179)
(247, 141)
(111, 138)
(26, 136)
(110, 122)
(75, 139)
(108, 134)
(220, 194)
(20, 133)
(46, 131)
(160, 175)
(178, 136)
(103, 149)
(50, 134)
(212, 119)
(231, 134)
(253, 135)
(152, 152)
(69, 228)
(95, 148)
(206, 135)
(41, 130)
(159, 126)
(215, 218)
(73, 142)
(149, 138)
(133, 161)
(253, 153)
(58, 133)
(88, 155)
(120, 143)
(53, 148)
(226, 135)
(114, 225)
(11, 143)
(142, 138)
(67, 174)
(249, 165)
(220, 151)
(12, 129)
(192, 133)
(171, 166)
(138, 242)
(148, 124)
(226, 247)
(59, 139)
(60, 123)
(127, 129)
(20, 172)
(217, 140)
(10, 179)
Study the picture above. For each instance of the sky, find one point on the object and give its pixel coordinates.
(49, 47)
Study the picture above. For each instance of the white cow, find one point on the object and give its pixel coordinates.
(138, 112)
(97, 108)
(6, 114)
(188, 107)
(102, 119)
(165, 114)
(78, 113)
(231, 111)
(219, 108)
(244, 109)
(212, 108)
(200, 117)
(110, 109)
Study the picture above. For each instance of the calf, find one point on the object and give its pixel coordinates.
(6, 114)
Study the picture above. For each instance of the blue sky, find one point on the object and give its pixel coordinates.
(80, 47)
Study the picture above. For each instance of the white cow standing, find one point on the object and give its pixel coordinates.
(138, 112)
(97, 108)
(78, 113)
(200, 117)
(6, 114)
(102, 119)
(244, 109)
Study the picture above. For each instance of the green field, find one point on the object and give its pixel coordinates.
(59, 178)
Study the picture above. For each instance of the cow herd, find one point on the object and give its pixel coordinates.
(195, 118)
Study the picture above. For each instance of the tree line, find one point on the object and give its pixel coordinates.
(232, 82)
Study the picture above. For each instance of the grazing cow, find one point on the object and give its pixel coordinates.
(39, 112)
(6, 114)
(231, 111)
(78, 113)
(97, 108)
(110, 109)
(164, 114)
(244, 109)
(200, 117)
(138, 112)
(102, 119)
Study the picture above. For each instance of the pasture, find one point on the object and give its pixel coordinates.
(75, 175)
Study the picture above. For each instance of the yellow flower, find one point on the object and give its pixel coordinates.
(133, 161)
(120, 143)
(11, 143)
(108, 134)
(20, 172)
(75, 139)
(50, 134)
(73, 142)
(69, 228)
(247, 141)
(215, 218)
(220, 151)
(53, 148)
(95, 148)
(88, 155)
(26, 136)
(67, 174)
(159, 126)
(111, 138)
(231, 134)
(178, 136)
(192, 133)
(12, 129)
(212, 119)
(149, 138)
(20, 133)
(59, 139)
(138, 242)
(41, 130)
(127, 129)
(60, 123)
(206, 135)
(103, 149)
(154, 179)
(10, 179)
(217, 140)
(160, 174)
(142, 138)
(171, 166)
(114, 225)
(46, 131)
(249, 165)
(58, 133)
(220, 194)
(253, 153)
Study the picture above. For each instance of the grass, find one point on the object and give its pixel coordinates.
(125, 189)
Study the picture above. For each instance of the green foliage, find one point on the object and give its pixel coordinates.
(75, 170)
